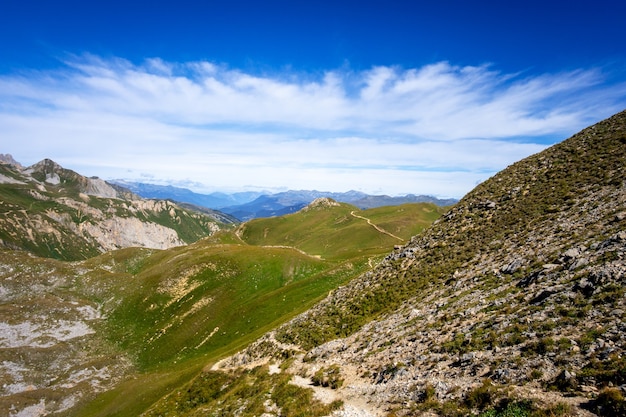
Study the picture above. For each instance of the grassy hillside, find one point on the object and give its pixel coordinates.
(406, 220)
(187, 307)
(188, 302)
(513, 303)
(341, 231)
(131, 325)
(176, 311)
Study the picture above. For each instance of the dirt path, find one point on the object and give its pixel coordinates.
(380, 229)
(353, 406)
(239, 231)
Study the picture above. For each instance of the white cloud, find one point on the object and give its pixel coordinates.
(436, 129)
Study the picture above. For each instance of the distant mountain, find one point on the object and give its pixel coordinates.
(253, 204)
(215, 200)
(8, 159)
(373, 201)
(287, 202)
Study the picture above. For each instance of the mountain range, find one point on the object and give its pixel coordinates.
(250, 205)
(511, 302)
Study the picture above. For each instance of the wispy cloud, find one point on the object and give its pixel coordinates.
(436, 129)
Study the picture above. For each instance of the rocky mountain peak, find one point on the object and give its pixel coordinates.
(49, 172)
(320, 203)
(6, 158)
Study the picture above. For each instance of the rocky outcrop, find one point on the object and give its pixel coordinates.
(7, 158)
(120, 232)
(321, 203)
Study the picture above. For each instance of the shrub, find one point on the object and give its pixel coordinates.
(510, 409)
(610, 402)
(328, 377)
(481, 397)
(609, 371)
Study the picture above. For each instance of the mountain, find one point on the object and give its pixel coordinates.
(292, 201)
(55, 212)
(8, 159)
(215, 200)
(252, 205)
(513, 303)
(372, 201)
(114, 333)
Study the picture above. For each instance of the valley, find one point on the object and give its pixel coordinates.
(145, 320)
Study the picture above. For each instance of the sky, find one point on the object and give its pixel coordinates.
(385, 97)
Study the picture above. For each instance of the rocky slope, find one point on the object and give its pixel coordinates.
(55, 212)
(53, 352)
(514, 300)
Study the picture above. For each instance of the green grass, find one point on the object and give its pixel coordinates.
(251, 289)
(136, 394)
(186, 303)
(406, 220)
(174, 311)
(334, 233)
(245, 393)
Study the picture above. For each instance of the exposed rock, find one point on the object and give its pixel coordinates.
(513, 266)
(7, 158)
(320, 203)
(87, 216)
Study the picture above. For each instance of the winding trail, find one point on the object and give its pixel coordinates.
(381, 230)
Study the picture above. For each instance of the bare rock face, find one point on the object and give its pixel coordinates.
(100, 188)
(119, 232)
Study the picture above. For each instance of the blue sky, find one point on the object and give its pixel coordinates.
(386, 97)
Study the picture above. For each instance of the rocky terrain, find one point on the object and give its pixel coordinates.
(513, 302)
(53, 352)
(56, 212)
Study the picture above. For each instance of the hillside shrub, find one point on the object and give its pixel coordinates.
(604, 372)
(610, 403)
(329, 377)
(245, 393)
(481, 397)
